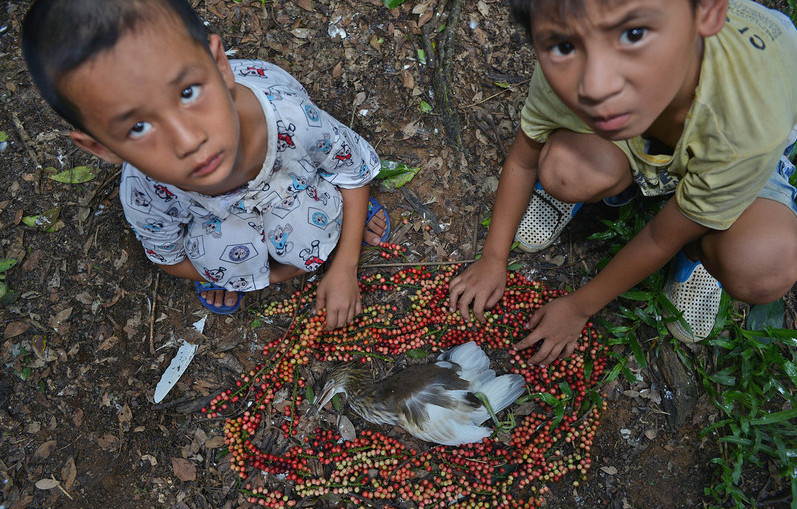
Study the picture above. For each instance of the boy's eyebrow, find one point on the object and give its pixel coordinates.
(630, 17)
(554, 33)
(125, 116)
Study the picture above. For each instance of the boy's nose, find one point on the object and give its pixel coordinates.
(187, 136)
(599, 81)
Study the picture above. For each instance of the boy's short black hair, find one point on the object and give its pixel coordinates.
(523, 10)
(60, 35)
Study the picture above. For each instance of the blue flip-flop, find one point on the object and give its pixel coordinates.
(202, 286)
(373, 208)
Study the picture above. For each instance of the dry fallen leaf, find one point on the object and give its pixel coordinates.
(338, 70)
(346, 429)
(184, 469)
(215, 442)
(77, 418)
(14, 329)
(407, 80)
(69, 473)
(47, 484)
(43, 451)
(108, 442)
(609, 470)
(125, 415)
(410, 129)
(301, 33)
(304, 4)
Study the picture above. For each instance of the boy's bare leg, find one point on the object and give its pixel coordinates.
(756, 258)
(578, 167)
(373, 231)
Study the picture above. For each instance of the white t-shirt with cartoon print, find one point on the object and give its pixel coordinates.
(290, 212)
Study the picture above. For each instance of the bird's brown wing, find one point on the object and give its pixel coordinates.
(413, 391)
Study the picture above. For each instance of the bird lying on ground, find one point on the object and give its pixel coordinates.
(435, 402)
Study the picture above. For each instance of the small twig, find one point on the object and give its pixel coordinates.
(413, 264)
(495, 94)
(23, 135)
(152, 314)
(61, 487)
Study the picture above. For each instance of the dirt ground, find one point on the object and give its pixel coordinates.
(94, 324)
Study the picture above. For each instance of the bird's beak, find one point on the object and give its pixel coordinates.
(327, 393)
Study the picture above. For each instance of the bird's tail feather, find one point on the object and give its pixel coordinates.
(470, 358)
(502, 391)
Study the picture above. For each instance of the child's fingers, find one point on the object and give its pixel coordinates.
(455, 289)
(547, 353)
(528, 341)
(494, 298)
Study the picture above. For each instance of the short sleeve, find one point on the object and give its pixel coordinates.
(543, 112)
(156, 215)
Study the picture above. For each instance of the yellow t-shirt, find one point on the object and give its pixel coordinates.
(744, 111)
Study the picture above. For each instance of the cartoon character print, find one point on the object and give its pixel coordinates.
(173, 211)
(312, 192)
(238, 207)
(329, 175)
(139, 198)
(239, 285)
(285, 136)
(212, 227)
(363, 173)
(155, 255)
(214, 275)
(317, 217)
(311, 112)
(288, 204)
(253, 71)
(310, 256)
(238, 253)
(260, 230)
(299, 183)
(163, 193)
(152, 225)
(194, 247)
(279, 237)
(323, 145)
(343, 156)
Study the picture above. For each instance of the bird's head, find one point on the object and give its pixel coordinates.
(343, 378)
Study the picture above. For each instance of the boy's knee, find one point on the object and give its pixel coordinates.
(756, 282)
(577, 167)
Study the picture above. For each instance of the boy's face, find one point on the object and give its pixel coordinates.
(161, 102)
(626, 64)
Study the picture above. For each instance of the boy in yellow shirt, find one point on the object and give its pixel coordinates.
(692, 97)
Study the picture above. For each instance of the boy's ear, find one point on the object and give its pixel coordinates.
(223, 64)
(711, 16)
(89, 144)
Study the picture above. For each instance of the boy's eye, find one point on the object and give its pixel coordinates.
(632, 35)
(563, 48)
(189, 94)
(139, 129)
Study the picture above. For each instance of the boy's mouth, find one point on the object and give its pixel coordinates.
(207, 167)
(611, 122)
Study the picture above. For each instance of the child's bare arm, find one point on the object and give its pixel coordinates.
(559, 323)
(338, 290)
(483, 283)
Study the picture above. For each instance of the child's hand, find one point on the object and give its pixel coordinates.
(482, 283)
(558, 325)
(339, 293)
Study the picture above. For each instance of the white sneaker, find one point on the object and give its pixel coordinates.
(696, 295)
(543, 221)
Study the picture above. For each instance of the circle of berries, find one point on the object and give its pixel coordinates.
(547, 438)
